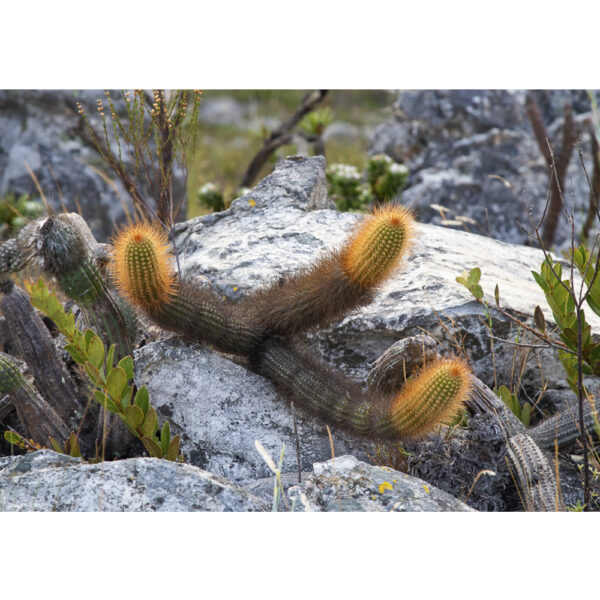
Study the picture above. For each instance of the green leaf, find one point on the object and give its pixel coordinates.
(152, 446)
(87, 336)
(12, 437)
(477, 291)
(116, 380)
(541, 281)
(526, 414)
(126, 363)
(76, 354)
(110, 357)
(595, 355)
(56, 446)
(134, 415)
(142, 399)
(92, 372)
(73, 446)
(70, 324)
(95, 350)
(474, 276)
(497, 295)
(126, 396)
(463, 281)
(150, 424)
(173, 452)
(165, 437)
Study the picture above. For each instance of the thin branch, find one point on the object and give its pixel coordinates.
(281, 136)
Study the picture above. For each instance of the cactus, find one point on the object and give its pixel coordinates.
(142, 272)
(377, 248)
(337, 283)
(34, 344)
(563, 427)
(18, 252)
(430, 398)
(434, 395)
(37, 417)
(535, 477)
(340, 281)
(65, 253)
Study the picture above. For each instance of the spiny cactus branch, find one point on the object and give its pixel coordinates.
(563, 427)
(535, 475)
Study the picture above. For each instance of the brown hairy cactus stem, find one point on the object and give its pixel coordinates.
(428, 400)
(143, 273)
(341, 281)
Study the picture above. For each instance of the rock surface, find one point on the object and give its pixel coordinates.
(220, 409)
(474, 153)
(346, 484)
(37, 130)
(286, 221)
(46, 481)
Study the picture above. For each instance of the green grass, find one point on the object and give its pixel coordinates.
(224, 151)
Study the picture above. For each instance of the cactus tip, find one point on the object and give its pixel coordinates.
(433, 396)
(378, 245)
(141, 265)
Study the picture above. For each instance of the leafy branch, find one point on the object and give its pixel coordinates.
(114, 385)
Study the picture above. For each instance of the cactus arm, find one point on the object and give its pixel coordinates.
(18, 252)
(37, 417)
(66, 252)
(143, 273)
(563, 427)
(433, 396)
(341, 281)
(535, 476)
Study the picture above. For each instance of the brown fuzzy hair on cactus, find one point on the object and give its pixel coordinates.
(342, 280)
(429, 399)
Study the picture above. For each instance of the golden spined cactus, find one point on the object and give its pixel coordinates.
(430, 398)
(341, 281)
(143, 272)
(378, 246)
(142, 265)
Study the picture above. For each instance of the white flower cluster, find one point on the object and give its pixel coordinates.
(399, 169)
(344, 171)
(384, 158)
(207, 188)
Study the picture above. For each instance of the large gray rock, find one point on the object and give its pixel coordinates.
(47, 481)
(474, 153)
(345, 484)
(37, 130)
(220, 409)
(285, 222)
